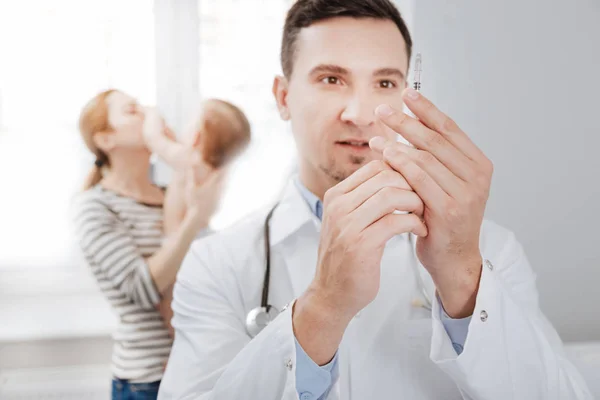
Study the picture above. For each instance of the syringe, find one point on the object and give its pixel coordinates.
(416, 85)
(417, 77)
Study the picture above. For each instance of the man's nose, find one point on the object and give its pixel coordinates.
(360, 111)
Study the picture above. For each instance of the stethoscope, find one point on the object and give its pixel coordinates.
(258, 318)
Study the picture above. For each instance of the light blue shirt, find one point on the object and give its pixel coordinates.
(313, 382)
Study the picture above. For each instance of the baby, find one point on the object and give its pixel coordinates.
(216, 137)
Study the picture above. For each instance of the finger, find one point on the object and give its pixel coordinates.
(428, 190)
(357, 178)
(195, 169)
(386, 178)
(381, 231)
(424, 138)
(436, 120)
(449, 182)
(384, 202)
(170, 134)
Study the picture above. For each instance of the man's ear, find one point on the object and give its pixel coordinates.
(280, 91)
(105, 141)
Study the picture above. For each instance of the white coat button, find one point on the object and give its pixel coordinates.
(489, 264)
(483, 315)
(289, 364)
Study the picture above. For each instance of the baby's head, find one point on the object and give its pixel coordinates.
(221, 132)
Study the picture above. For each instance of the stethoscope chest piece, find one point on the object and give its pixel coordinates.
(258, 318)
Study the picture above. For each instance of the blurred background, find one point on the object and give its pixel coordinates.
(521, 77)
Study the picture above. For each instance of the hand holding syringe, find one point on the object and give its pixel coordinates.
(417, 87)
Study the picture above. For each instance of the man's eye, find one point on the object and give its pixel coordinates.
(331, 80)
(385, 84)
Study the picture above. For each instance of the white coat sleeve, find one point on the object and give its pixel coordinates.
(213, 357)
(511, 351)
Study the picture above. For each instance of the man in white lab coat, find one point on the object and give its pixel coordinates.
(431, 303)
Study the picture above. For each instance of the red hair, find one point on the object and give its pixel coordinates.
(94, 119)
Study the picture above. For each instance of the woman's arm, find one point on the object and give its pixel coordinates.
(164, 264)
(111, 250)
(175, 207)
(201, 196)
(181, 193)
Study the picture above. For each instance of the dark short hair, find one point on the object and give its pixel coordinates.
(304, 13)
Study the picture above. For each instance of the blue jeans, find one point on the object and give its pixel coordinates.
(124, 390)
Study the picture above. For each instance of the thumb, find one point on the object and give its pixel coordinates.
(378, 143)
(169, 133)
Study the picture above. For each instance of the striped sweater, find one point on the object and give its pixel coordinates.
(117, 235)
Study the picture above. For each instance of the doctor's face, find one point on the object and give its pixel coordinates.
(343, 69)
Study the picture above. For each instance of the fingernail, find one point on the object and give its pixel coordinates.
(384, 110)
(412, 93)
(377, 143)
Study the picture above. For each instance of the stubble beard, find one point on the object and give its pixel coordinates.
(338, 174)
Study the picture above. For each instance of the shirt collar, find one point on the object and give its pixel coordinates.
(291, 213)
(314, 203)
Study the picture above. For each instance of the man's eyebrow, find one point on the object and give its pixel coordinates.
(388, 72)
(329, 68)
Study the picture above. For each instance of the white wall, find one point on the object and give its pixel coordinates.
(177, 59)
(522, 78)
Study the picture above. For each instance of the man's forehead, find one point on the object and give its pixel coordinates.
(356, 44)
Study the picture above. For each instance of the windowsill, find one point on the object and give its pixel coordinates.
(52, 303)
(55, 317)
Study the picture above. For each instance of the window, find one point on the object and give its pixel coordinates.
(239, 57)
(55, 56)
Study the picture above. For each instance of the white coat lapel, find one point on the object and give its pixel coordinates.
(300, 257)
(295, 238)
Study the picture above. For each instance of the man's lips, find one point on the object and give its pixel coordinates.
(354, 143)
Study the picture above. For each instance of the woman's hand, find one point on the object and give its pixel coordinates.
(153, 126)
(203, 189)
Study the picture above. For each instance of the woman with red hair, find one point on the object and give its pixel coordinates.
(119, 224)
